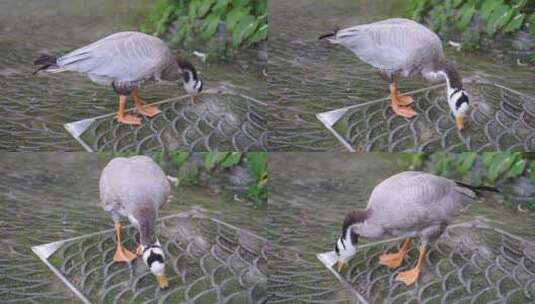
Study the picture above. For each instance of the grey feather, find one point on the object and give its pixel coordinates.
(124, 57)
(412, 204)
(393, 45)
(134, 188)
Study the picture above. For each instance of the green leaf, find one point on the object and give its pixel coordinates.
(531, 22)
(204, 7)
(488, 7)
(241, 3)
(501, 163)
(194, 7)
(531, 171)
(465, 15)
(220, 7)
(466, 162)
(231, 160)
(180, 158)
(233, 17)
(519, 4)
(488, 157)
(260, 35)
(257, 163)
(516, 169)
(244, 29)
(210, 27)
(212, 159)
(260, 7)
(456, 3)
(515, 23)
(501, 15)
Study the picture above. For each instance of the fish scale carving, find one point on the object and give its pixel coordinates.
(230, 122)
(466, 265)
(501, 120)
(207, 262)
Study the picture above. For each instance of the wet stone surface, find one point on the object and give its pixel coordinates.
(219, 121)
(207, 262)
(468, 264)
(500, 119)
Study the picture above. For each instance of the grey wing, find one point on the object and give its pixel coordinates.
(126, 56)
(110, 201)
(393, 44)
(413, 199)
(155, 180)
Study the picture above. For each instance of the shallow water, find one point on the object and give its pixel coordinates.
(45, 197)
(34, 108)
(308, 77)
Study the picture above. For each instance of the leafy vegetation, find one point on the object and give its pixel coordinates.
(242, 22)
(256, 162)
(487, 168)
(498, 17)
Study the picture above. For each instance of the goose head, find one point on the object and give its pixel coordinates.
(459, 103)
(345, 248)
(192, 82)
(154, 258)
(458, 99)
(347, 244)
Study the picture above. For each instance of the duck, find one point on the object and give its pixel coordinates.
(124, 61)
(409, 205)
(400, 47)
(136, 188)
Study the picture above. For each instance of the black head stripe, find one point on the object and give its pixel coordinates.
(461, 100)
(336, 249)
(153, 257)
(200, 88)
(354, 238)
(145, 248)
(455, 92)
(186, 77)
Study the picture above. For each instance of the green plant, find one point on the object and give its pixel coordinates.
(244, 20)
(498, 17)
(258, 191)
(256, 162)
(496, 165)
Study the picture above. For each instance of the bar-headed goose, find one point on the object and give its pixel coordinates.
(409, 204)
(402, 47)
(135, 188)
(125, 60)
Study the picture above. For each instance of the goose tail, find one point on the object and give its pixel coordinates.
(329, 35)
(477, 189)
(45, 62)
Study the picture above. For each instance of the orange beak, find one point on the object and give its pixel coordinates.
(163, 282)
(460, 122)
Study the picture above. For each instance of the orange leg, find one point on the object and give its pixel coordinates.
(409, 277)
(144, 110)
(125, 118)
(122, 254)
(394, 260)
(400, 104)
